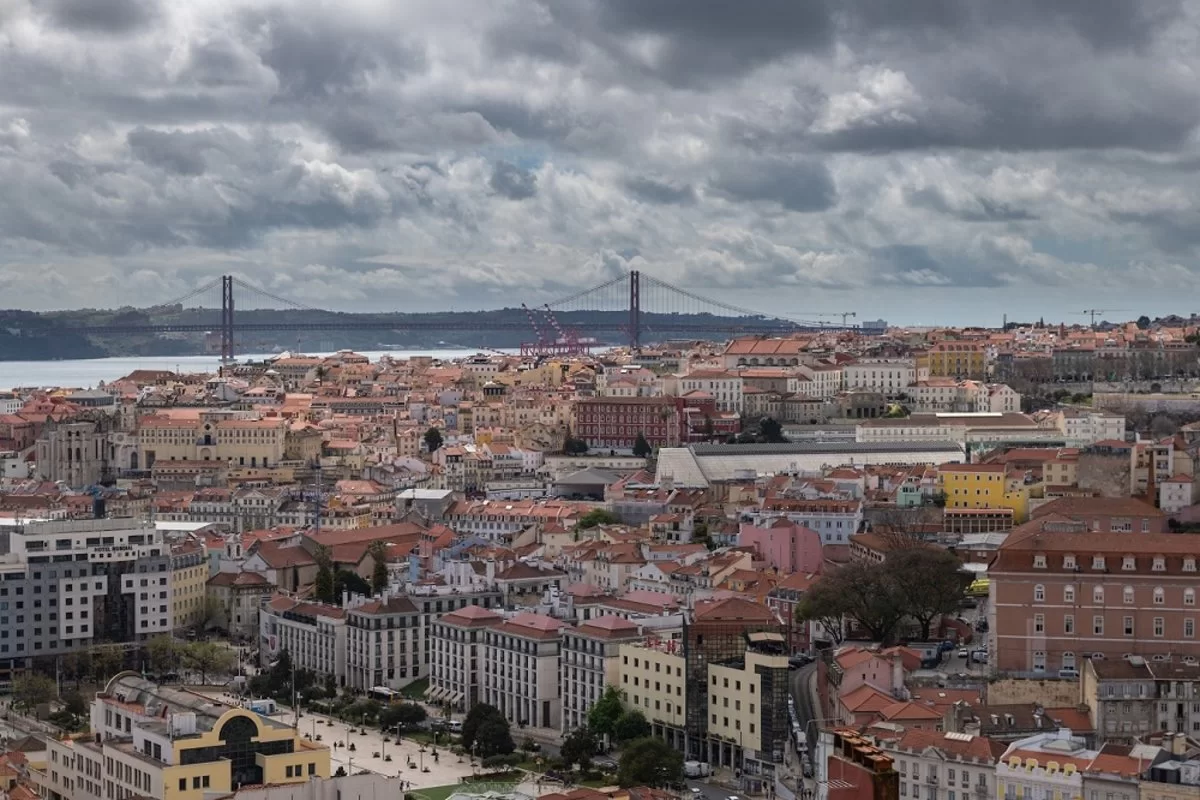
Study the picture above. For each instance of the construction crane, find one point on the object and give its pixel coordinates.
(1092, 312)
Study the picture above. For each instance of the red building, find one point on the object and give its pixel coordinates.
(615, 422)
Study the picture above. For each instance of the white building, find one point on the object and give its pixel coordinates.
(1176, 493)
(888, 376)
(1083, 427)
(591, 662)
(313, 634)
(724, 387)
(823, 381)
(938, 766)
(457, 663)
(521, 669)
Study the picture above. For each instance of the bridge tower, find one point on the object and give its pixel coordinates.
(635, 309)
(227, 318)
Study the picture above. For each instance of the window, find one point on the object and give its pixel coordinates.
(1068, 594)
(1189, 597)
(1039, 593)
(1127, 594)
(1159, 596)
(1098, 595)
(1158, 627)
(1129, 626)
(1097, 562)
(1097, 626)
(1069, 562)
(1129, 563)
(1039, 561)
(1160, 564)
(1069, 624)
(1189, 628)
(1189, 564)
(1039, 660)
(1039, 623)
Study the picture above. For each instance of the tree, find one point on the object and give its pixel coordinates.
(479, 713)
(650, 762)
(494, 738)
(75, 705)
(279, 677)
(579, 746)
(823, 605)
(208, 657)
(346, 581)
(106, 662)
(401, 716)
(604, 713)
(770, 430)
(641, 447)
(931, 582)
(869, 595)
(574, 447)
(212, 615)
(31, 689)
(631, 725)
(378, 551)
(163, 654)
(323, 584)
(1143, 322)
(433, 440)
(597, 516)
(709, 429)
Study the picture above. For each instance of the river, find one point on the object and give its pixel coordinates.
(88, 372)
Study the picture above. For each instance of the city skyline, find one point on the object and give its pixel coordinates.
(457, 155)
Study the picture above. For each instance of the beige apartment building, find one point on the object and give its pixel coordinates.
(213, 436)
(653, 681)
(1061, 593)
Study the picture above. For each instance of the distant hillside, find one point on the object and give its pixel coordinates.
(29, 336)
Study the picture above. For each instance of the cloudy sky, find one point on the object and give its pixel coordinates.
(920, 160)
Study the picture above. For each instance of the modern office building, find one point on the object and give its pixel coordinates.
(155, 741)
(67, 585)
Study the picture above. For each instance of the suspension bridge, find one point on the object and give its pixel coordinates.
(633, 305)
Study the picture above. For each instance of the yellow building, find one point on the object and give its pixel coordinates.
(955, 359)
(188, 580)
(654, 681)
(983, 486)
(213, 436)
(169, 743)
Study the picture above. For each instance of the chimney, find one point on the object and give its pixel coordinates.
(1179, 745)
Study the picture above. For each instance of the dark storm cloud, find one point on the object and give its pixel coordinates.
(513, 182)
(178, 153)
(100, 16)
(662, 192)
(796, 185)
(917, 265)
(316, 57)
(975, 209)
(699, 41)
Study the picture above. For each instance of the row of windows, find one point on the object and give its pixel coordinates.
(1127, 594)
(1189, 626)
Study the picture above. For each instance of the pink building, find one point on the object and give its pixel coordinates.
(784, 545)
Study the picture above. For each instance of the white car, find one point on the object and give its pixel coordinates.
(964, 652)
(696, 791)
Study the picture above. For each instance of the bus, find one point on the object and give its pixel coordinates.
(980, 587)
(383, 694)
